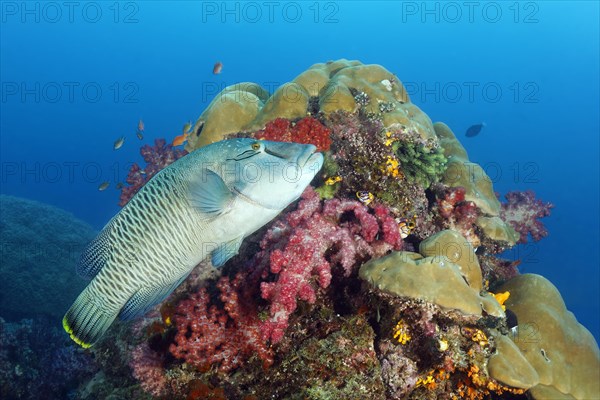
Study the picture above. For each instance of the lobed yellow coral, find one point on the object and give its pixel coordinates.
(401, 332)
(479, 337)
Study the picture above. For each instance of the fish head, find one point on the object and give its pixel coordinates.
(269, 174)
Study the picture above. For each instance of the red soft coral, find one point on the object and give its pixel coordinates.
(208, 335)
(308, 130)
(148, 368)
(459, 214)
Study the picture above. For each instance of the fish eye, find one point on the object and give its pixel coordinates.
(255, 146)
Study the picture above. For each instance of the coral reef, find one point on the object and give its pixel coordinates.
(523, 211)
(477, 189)
(156, 157)
(324, 88)
(308, 130)
(207, 335)
(365, 159)
(39, 250)
(381, 282)
(422, 161)
(148, 368)
(446, 273)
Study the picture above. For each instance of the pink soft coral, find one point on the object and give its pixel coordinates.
(523, 211)
(148, 369)
(303, 246)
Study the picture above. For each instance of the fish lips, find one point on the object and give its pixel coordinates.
(310, 161)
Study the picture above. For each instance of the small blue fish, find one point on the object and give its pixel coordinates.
(474, 130)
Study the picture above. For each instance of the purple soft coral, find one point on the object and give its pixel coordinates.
(523, 211)
(157, 157)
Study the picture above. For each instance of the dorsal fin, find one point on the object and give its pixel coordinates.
(94, 256)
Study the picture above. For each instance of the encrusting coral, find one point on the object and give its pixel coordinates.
(446, 273)
(561, 350)
(398, 204)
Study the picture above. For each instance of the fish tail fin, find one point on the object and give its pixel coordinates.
(86, 321)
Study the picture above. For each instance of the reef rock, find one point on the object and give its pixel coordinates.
(478, 186)
(40, 247)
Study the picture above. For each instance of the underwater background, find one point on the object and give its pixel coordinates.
(78, 76)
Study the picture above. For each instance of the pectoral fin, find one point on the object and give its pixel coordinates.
(209, 194)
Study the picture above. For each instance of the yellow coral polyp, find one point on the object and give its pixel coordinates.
(501, 298)
(333, 180)
(392, 167)
(443, 345)
(480, 337)
(401, 332)
(428, 382)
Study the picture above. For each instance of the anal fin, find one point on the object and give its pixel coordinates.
(147, 297)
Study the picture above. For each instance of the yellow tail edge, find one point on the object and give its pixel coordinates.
(69, 330)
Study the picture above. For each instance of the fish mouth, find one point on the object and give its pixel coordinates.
(310, 161)
(303, 156)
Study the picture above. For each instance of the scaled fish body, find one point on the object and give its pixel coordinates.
(119, 143)
(203, 204)
(474, 130)
(218, 67)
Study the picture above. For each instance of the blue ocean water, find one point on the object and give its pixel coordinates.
(77, 76)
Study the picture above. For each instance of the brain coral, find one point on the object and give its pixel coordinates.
(325, 88)
(39, 250)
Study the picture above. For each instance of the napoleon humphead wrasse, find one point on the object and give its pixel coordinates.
(202, 205)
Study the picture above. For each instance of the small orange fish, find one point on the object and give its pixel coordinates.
(181, 139)
(141, 126)
(217, 68)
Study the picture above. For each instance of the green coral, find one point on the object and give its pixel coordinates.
(330, 170)
(327, 192)
(330, 167)
(420, 163)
